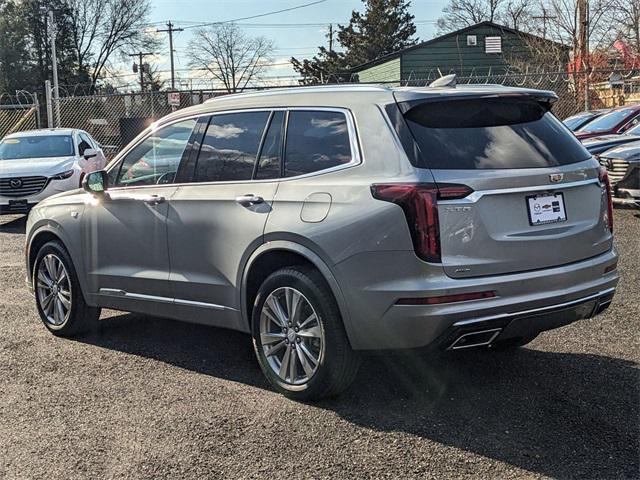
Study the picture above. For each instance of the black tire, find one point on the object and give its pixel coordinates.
(338, 364)
(511, 343)
(82, 318)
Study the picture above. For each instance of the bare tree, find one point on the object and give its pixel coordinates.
(102, 29)
(231, 57)
(628, 20)
(464, 13)
(564, 22)
(516, 14)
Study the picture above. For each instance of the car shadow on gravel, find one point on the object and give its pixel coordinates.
(13, 225)
(565, 415)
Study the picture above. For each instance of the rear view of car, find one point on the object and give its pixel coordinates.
(35, 165)
(329, 220)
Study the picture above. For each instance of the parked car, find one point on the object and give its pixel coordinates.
(617, 121)
(602, 143)
(330, 220)
(623, 166)
(39, 163)
(579, 120)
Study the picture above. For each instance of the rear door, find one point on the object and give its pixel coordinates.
(537, 200)
(220, 214)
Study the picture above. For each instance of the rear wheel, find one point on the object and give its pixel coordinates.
(299, 338)
(58, 297)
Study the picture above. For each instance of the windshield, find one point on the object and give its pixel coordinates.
(577, 120)
(488, 134)
(40, 146)
(608, 121)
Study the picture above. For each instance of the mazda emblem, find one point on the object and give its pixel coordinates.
(15, 183)
(556, 177)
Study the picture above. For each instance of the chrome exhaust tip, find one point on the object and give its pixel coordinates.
(602, 306)
(475, 339)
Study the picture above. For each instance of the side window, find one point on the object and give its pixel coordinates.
(156, 160)
(269, 162)
(316, 140)
(230, 147)
(83, 143)
(631, 123)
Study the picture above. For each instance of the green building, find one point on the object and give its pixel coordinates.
(480, 50)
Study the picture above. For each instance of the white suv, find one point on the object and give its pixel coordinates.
(37, 164)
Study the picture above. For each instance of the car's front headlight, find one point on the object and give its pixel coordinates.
(63, 175)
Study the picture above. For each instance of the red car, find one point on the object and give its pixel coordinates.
(618, 120)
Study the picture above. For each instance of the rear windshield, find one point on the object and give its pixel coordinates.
(608, 121)
(491, 133)
(36, 146)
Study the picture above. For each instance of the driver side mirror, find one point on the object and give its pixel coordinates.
(89, 153)
(96, 183)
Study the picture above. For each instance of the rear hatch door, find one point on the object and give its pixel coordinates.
(537, 201)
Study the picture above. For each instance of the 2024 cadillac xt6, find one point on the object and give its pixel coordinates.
(326, 221)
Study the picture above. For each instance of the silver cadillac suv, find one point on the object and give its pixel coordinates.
(330, 220)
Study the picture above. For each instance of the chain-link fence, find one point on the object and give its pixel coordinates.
(115, 119)
(18, 112)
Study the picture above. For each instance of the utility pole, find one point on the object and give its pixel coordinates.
(170, 30)
(583, 46)
(330, 37)
(544, 17)
(140, 66)
(54, 65)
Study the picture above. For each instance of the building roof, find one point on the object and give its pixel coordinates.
(426, 43)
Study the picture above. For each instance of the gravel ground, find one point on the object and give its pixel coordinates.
(152, 398)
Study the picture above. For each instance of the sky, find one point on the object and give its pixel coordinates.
(295, 33)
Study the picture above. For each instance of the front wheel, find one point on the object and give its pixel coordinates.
(299, 338)
(58, 297)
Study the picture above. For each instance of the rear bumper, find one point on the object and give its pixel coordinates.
(376, 321)
(486, 330)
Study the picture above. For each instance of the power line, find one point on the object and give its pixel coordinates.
(316, 2)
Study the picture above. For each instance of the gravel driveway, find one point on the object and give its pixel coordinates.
(153, 398)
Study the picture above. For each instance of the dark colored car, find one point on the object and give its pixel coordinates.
(617, 121)
(579, 120)
(602, 143)
(623, 166)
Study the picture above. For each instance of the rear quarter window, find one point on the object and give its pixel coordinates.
(316, 140)
(491, 134)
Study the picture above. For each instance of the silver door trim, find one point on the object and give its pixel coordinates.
(475, 196)
(114, 292)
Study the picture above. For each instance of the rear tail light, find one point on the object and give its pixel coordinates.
(603, 176)
(462, 297)
(419, 203)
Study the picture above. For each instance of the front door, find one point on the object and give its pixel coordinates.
(217, 219)
(126, 249)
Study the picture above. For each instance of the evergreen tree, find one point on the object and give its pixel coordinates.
(386, 26)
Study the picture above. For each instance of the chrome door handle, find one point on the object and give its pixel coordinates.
(249, 199)
(154, 199)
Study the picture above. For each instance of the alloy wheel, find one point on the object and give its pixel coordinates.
(291, 336)
(53, 288)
